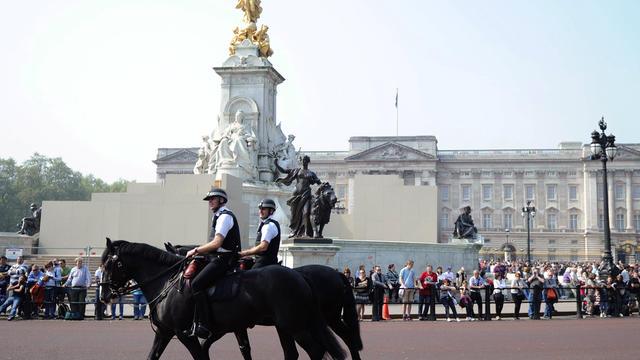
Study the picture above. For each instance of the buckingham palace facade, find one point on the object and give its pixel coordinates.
(564, 185)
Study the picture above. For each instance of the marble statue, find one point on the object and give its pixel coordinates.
(237, 146)
(323, 201)
(286, 153)
(300, 201)
(464, 227)
(251, 10)
(204, 153)
(31, 225)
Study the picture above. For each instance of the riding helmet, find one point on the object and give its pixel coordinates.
(267, 203)
(216, 192)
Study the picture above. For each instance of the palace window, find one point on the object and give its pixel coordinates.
(466, 192)
(508, 221)
(529, 192)
(636, 222)
(573, 192)
(573, 222)
(552, 173)
(486, 220)
(574, 241)
(600, 221)
(552, 241)
(444, 192)
(508, 192)
(341, 191)
(636, 192)
(507, 174)
(600, 192)
(551, 192)
(551, 221)
(619, 192)
(444, 220)
(620, 222)
(572, 173)
(529, 173)
(486, 174)
(486, 192)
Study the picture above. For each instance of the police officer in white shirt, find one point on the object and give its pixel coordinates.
(268, 239)
(224, 246)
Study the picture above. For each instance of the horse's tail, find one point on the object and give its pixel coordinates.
(321, 332)
(350, 315)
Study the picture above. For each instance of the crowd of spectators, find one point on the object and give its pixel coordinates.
(517, 282)
(35, 291)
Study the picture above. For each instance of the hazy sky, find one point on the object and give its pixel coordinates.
(103, 84)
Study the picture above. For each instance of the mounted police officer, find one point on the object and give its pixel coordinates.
(222, 249)
(268, 239)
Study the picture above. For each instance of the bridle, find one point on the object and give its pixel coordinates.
(128, 289)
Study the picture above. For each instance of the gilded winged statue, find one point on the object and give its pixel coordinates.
(251, 10)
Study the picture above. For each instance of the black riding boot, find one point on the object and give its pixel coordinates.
(202, 315)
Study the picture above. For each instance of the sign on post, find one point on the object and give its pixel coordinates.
(12, 254)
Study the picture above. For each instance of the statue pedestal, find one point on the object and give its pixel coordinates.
(307, 251)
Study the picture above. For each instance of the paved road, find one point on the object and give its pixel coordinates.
(560, 338)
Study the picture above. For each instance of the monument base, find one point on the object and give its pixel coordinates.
(296, 252)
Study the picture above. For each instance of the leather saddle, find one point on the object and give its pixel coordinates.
(225, 288)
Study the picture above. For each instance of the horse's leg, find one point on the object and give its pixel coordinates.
(193, 345)
(243, 342)
(310, 345)
(341, 329)
(206, 344)
(288, 345)
(160, 342)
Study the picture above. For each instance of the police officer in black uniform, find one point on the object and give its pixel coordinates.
(222, 249)
(268, 239)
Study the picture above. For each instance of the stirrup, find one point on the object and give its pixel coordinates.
(198, 330)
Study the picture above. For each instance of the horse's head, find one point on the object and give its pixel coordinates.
(115, 274)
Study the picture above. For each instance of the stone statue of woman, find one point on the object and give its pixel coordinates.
(237, 146)
(300, 201)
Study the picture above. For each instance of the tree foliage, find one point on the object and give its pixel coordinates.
(41, 178)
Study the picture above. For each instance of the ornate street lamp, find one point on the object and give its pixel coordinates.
(603, 147)
(528, 213)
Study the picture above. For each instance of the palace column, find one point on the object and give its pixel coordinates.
(629, 200)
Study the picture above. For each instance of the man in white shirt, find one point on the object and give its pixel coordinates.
(268, 239)
(79, 280)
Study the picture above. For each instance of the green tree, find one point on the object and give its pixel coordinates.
(41, 178)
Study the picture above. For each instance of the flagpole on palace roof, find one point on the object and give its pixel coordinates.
(396, 111)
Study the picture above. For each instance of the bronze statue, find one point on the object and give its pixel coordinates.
(323, 201)
(31, 225)
(464, 228)
(300, 201)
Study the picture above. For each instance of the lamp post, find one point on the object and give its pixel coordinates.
(603, 148)
(528, 213)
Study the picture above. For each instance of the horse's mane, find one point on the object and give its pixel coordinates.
(142, 251)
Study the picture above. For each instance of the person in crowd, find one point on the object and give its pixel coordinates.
(362, 292)
(379, 284)
(499, 285)
(605, 291)
(461, 276)
(536, 283)
(428, 280)
(439, 273)
(4, 275)
(19, 268)
(590, 292)
(64, 273)
(476, 284)
(500, 269)
(347, 274)
(120, 305)
(50, 280)
(139, 303)
(448, 298)
(526, 274)
(620, 295)
(392, 277)
(407, 278)
(634, 292)
(551, 291)
(99, 306)
(465, 300)
(448, 274)
(34, 278)
(18, 292)
(79, 280)
(517, 294)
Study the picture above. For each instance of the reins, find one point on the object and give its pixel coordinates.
(128, 289)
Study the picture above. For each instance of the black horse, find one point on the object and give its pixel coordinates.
(335, 298)
(268, 296)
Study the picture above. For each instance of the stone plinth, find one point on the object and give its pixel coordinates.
(304, 251)
(24, 242)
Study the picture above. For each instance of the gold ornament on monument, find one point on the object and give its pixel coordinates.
(252, 10)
